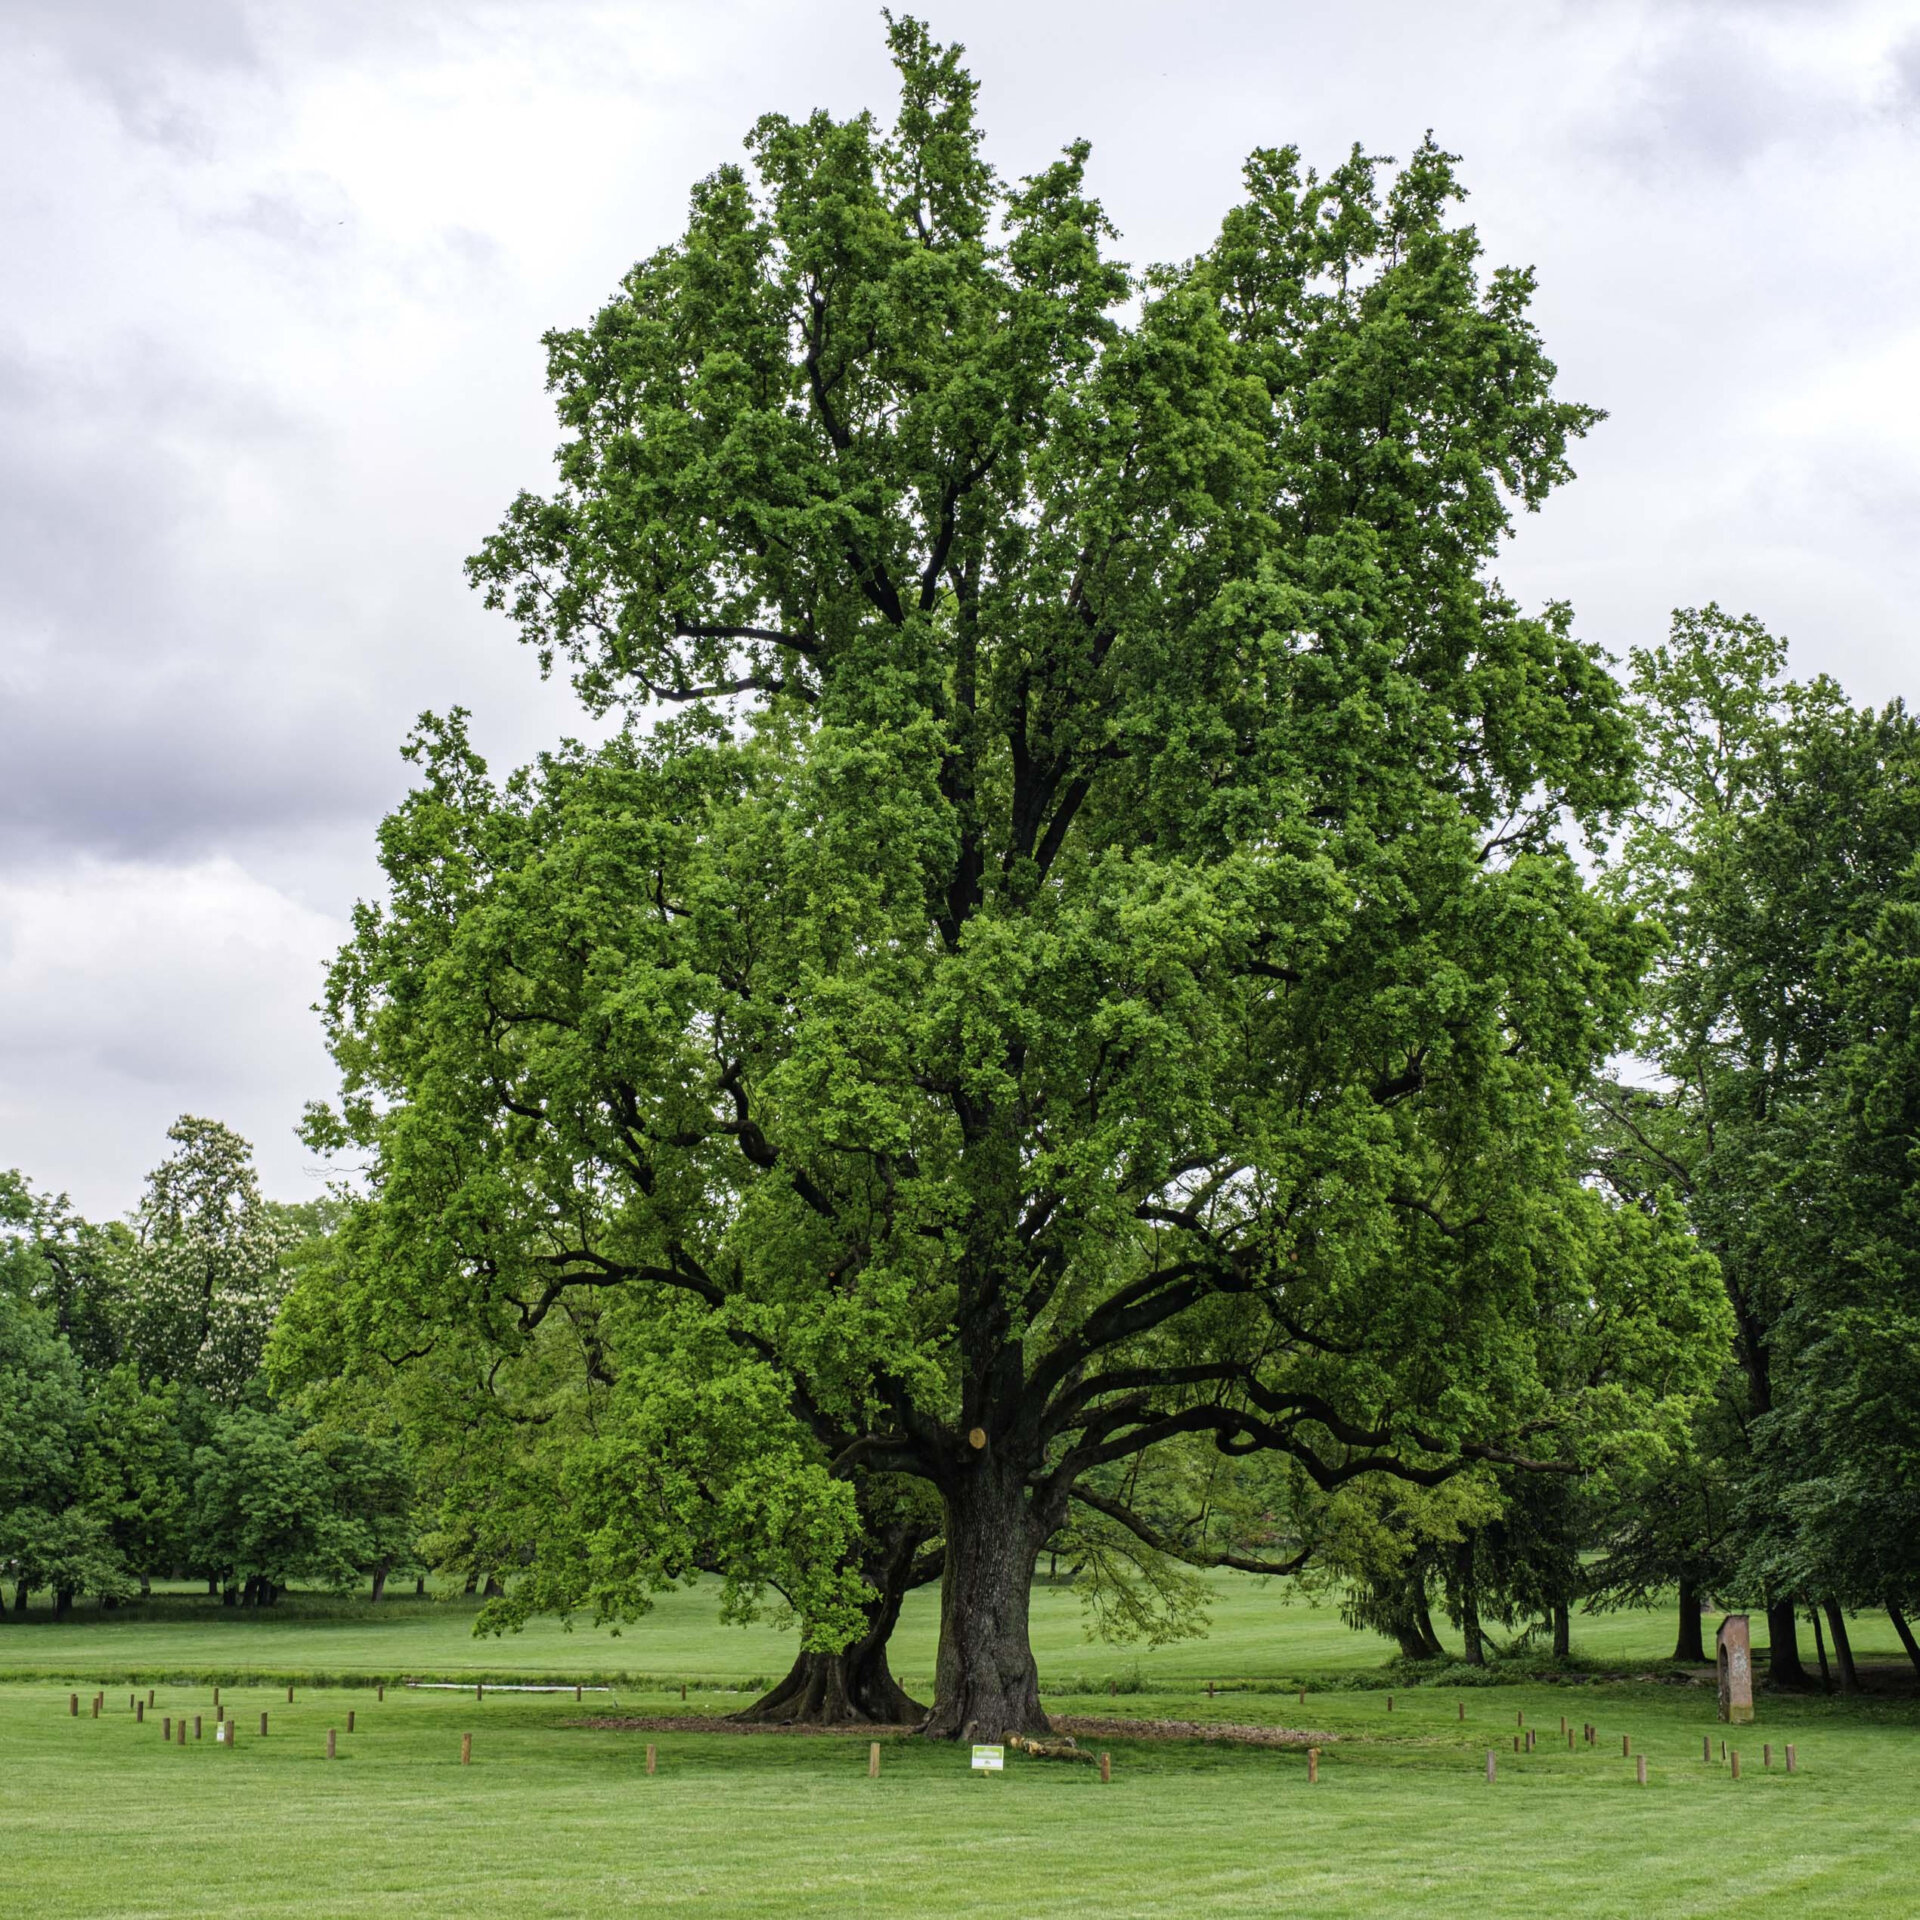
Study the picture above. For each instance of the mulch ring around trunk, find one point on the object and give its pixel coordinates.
(1073, 1725)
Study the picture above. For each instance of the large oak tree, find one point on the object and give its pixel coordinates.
(1093, 960)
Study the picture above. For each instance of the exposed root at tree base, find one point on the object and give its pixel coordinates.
(1106, 1726)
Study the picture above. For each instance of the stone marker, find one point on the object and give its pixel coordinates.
(1736, 1670)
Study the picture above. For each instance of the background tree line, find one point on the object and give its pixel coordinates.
(140, 1438)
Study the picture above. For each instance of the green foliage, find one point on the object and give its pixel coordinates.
(1097, 959)
(205, 1276)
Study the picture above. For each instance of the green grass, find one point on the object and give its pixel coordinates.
(99, 1817)
(1261, 1631)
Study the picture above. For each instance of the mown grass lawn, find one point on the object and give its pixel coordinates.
(101, 1817)
(1261, 1630)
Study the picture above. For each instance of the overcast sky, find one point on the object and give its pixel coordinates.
(275, 277)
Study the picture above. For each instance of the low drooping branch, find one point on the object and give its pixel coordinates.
(1192, 1556)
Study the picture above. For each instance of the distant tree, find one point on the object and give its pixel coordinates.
(136, 1475)
(1779, 843)
(207, 1270)
(265, 1511)
(47, 1537)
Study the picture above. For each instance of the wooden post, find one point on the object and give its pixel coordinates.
(216, 1696)
(380, 1692)
(73, 1705)
(1640, 1769)
(652, 1759)
(219, 1714)
(1530, 1738)
(479, 1690)
(329, 1743)
(1519, 1719)
(1563, 1723)
(1790, 1756)
(197, 1734)
(1303, 1696)
(873, 1760)
(1734, 1760)
(1516, 1743)
(1209, 1689)
(683, 1689)
(1459, 1709)
(1706, 1748)
(1766, 1754)
(1569, 1739)
(576, 1695)
(166, 1730)
(149, 1696)
(1626, 1746)
(289, 1696)
(1389, 1703)
(350, 1712)
(1489, 1766)
(139, 1711)
(263, 1725)
(1106, 1768)
(182, 1736)
(96, 1706)
(1313, 1766)
(466, 1749)
(1723, 1749)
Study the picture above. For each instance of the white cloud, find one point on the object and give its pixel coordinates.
(270, 366)
(130, 994)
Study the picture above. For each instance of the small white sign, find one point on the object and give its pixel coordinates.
(989, 1759)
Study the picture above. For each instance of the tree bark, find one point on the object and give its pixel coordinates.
(1687, 1643)
(1562, 1631)
(1783, 1647)
(20, 1598)
(379, 1584)
(1820, 1646)
(1475, 1650)
(1842, 1649)
(856, 1684)
(986, 1686)
(1423, 1619)
(62, 1602)
(1905, 1632)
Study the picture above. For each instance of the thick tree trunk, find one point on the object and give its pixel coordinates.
(493, 1589)
(62, 1602)
(1562, 1631)
(20, 1595)
(1783, 1647)
(1687, 1643)
(856, 1684)
(473, 1584)
(1842, 1649)
(420, 1586)
(1905, 1632)
(1820, 1646)
(986, 1687)
(379, 1584)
